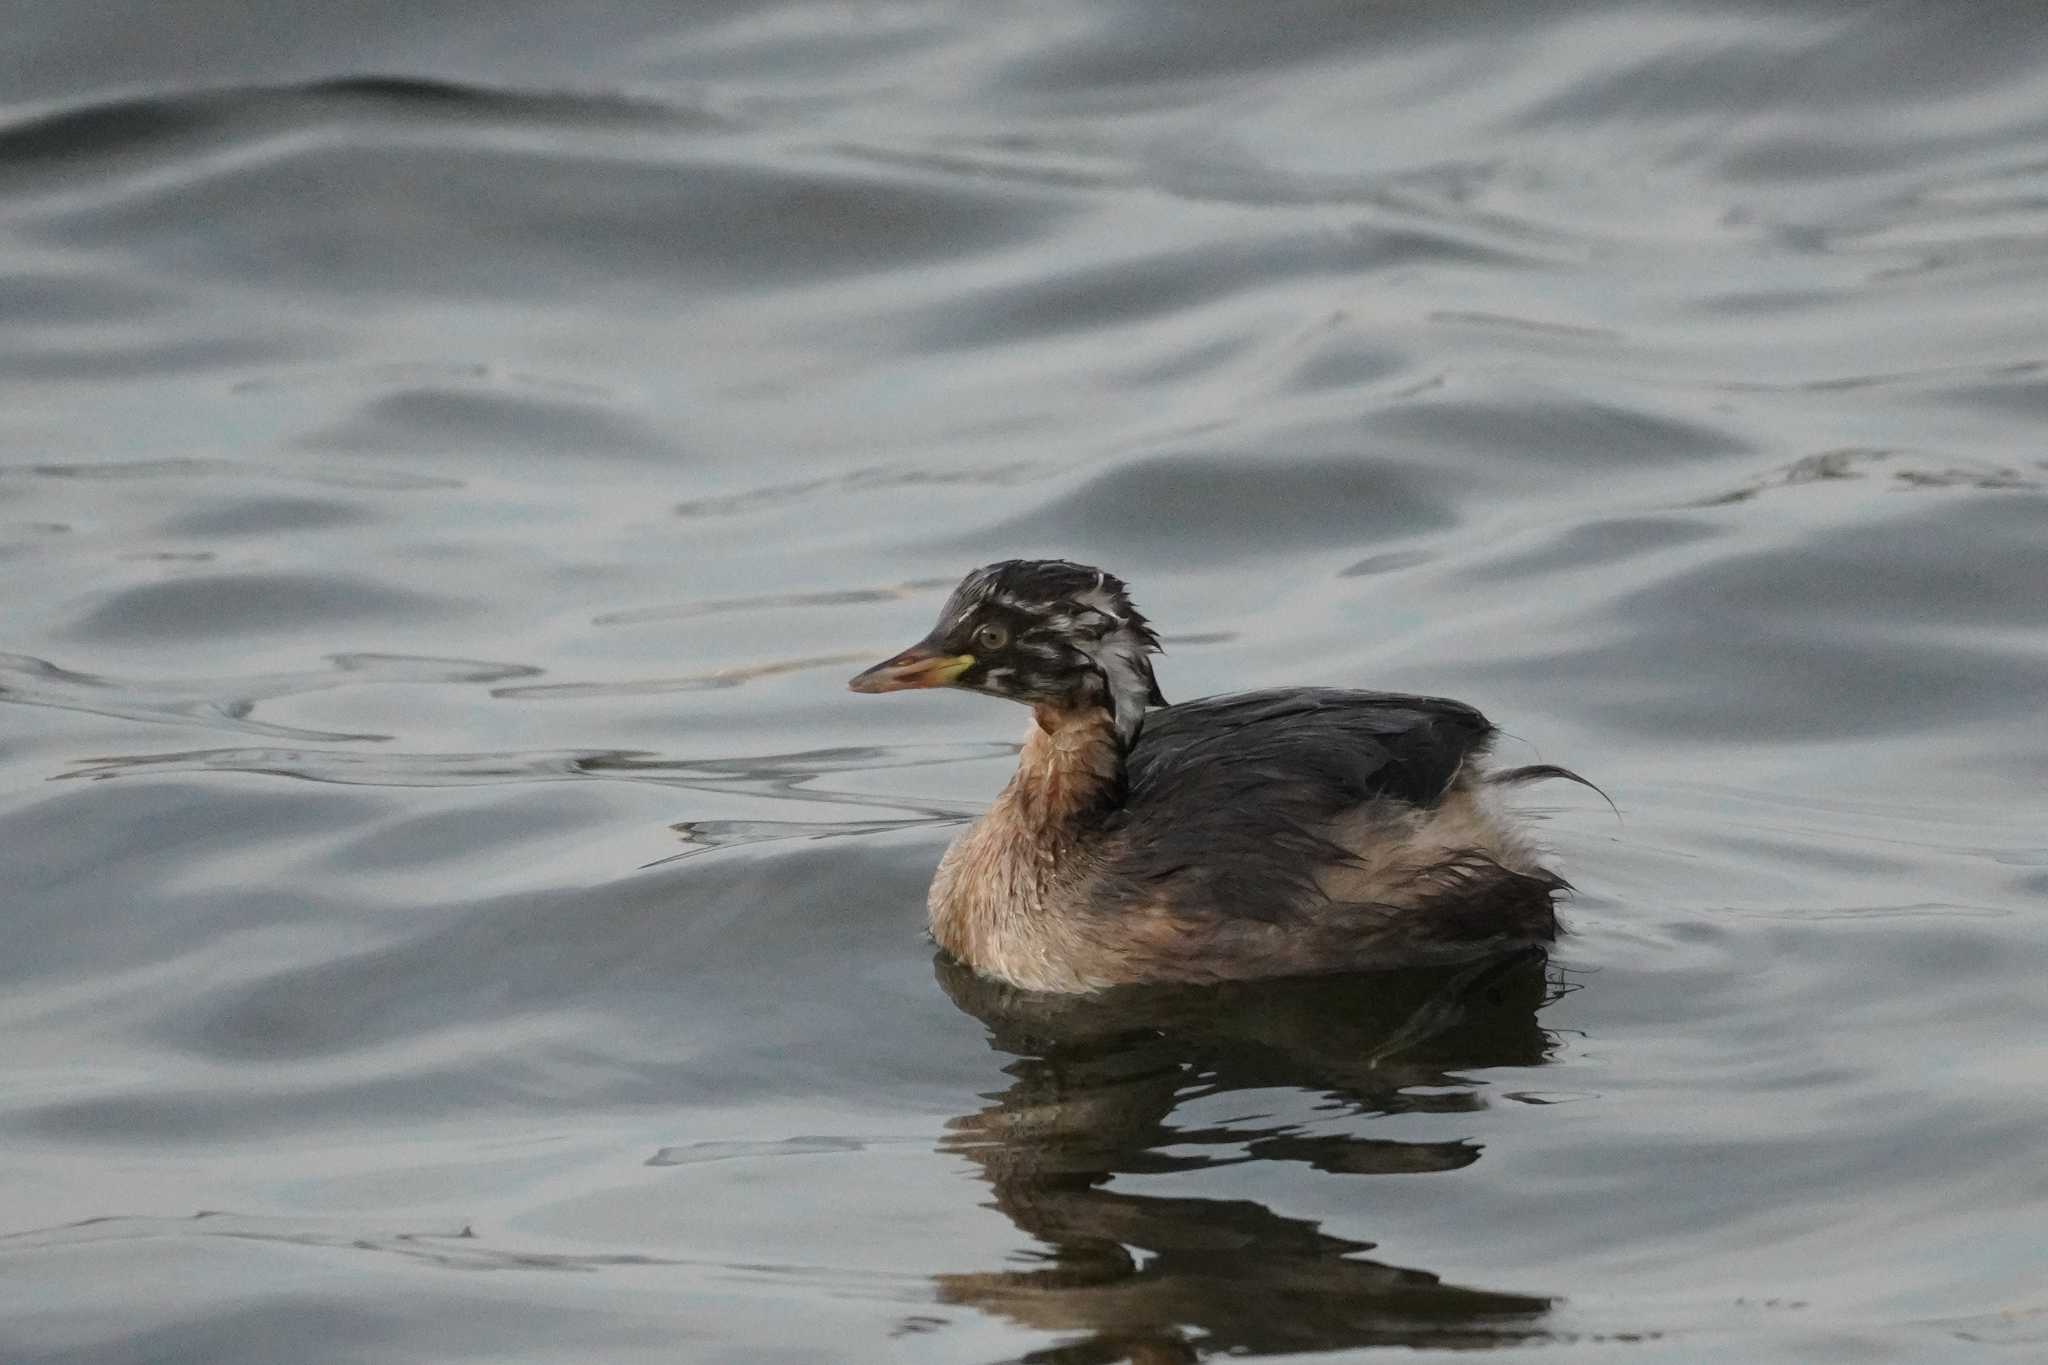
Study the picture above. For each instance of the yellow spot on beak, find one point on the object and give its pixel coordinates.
(914, 667)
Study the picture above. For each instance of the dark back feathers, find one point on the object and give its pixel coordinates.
(1233, 793)
(1353, 745)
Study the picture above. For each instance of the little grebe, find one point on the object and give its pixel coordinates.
(1270, 833)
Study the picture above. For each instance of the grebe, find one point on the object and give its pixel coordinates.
(1274, 833)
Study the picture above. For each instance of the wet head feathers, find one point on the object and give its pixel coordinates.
(1053, 632)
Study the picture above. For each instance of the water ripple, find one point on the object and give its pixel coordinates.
(197, 467)
(62, 140)
(785, 776)
(227, 703)
(449, 1247)
(715, 680)
(840, 597)
(876, 479)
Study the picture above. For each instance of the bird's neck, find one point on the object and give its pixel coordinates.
(1070, 771)
(998, 899)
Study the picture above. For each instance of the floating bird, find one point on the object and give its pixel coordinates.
(1274, 833)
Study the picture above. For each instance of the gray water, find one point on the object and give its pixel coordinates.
(451, 458)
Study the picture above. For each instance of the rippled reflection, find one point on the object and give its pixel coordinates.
(1095, 1084)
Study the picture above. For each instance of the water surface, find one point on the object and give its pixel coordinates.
(451, 457)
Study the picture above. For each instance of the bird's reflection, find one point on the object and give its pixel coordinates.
(1144, 1278)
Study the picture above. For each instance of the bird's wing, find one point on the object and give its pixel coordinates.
(1349, 746)
(1236, 794)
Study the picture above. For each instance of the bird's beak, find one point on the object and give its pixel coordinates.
(918, 666)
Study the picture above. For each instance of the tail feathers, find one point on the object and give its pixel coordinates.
(1472, 897)
(1543, 772)
(1462, 909)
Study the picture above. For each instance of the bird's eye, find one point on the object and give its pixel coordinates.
(991, 637)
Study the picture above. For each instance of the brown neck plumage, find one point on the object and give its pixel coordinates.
(1071, 768)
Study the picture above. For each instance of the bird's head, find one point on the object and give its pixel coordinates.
(1045, 632)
